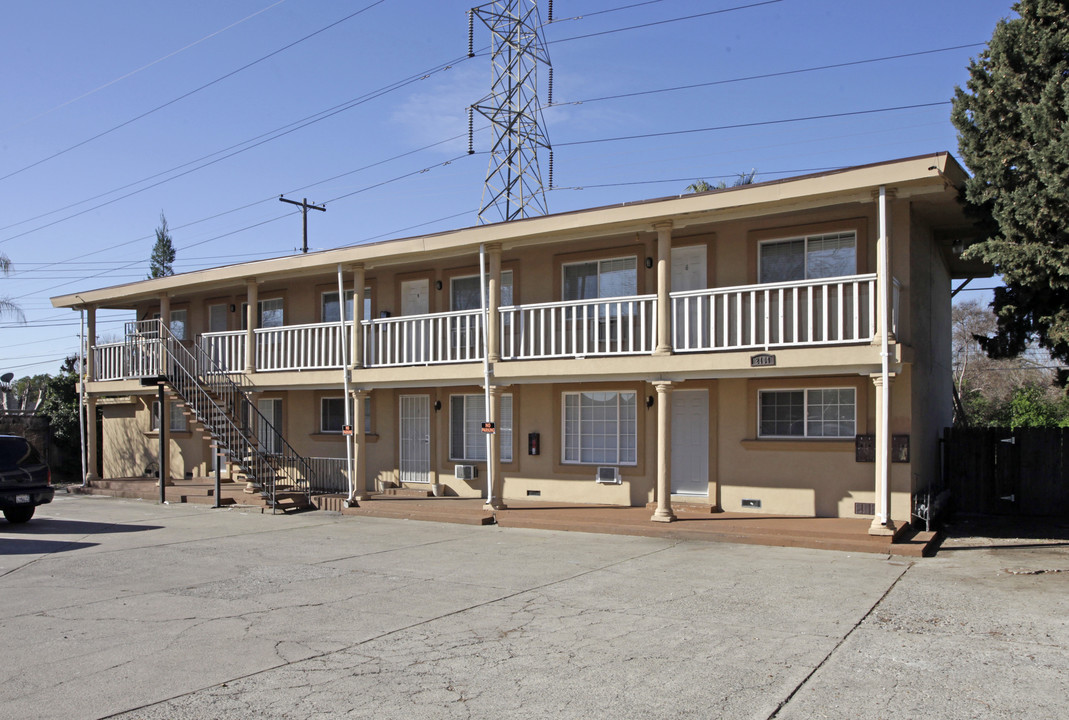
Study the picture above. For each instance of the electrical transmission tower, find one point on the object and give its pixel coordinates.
(513, 186)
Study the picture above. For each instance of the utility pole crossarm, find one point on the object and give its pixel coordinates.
(305, 206)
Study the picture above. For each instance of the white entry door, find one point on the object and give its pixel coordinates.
(415, 459)
(688, 273)
(690, 442)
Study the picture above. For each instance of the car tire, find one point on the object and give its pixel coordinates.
(18, 515)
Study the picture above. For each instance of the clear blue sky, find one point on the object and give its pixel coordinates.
(160, 86)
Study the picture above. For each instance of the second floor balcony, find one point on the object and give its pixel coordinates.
(833, 311)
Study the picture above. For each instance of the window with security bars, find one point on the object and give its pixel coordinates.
(467, 442)
(600, 428)
(808, 258)
(807, 413)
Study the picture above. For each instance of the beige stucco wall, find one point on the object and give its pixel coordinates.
(798, 477)
(129, 446)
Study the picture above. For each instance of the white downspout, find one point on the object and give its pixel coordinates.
(345, 382)
(486, 372)
(885, 385)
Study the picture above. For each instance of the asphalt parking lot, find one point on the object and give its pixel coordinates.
(117, 608)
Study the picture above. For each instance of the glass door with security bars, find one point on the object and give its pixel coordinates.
(415, 431)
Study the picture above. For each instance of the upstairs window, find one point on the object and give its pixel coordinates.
(464, 291)
(617, 277)
(808, 258)
(329, 306)
(270, 313)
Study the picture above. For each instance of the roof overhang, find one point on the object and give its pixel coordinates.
(936, 175)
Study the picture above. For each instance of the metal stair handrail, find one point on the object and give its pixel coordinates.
(224, 409)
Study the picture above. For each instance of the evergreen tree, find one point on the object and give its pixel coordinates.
(60, 406)
(1011, 123)
(162, 260)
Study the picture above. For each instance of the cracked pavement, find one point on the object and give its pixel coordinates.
(126, 609)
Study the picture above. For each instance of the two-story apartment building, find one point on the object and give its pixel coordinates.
(782, 347)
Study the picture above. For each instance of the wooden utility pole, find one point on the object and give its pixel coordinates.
(304, 206)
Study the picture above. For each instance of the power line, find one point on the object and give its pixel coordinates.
(765, 76)
(734, 126)
(257, 202)
(191, 92)
(183, 174)
(237, 149)
(264, 222)
(602, 12)
(664, 22)
(130, 74)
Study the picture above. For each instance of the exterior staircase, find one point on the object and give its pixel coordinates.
(218, 404)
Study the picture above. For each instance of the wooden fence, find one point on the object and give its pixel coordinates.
(999, 471)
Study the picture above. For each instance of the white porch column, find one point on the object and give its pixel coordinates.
(882, 524)
(91, 438)
(664, 286)
(252, 319)
(884, 274)
(90, 341)
(360, 398)
(165, 321)
(356, 357)
(493, 302)
(664, 513)
(494, 501)
(89, 372)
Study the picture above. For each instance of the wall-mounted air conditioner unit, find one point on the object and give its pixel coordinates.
(466, 472)
(608, 475)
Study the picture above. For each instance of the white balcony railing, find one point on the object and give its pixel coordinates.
(811, 312)
(226, 349)
(816, 312)
(301, 347)
(424, 339)
(135, 358)
(575, 328)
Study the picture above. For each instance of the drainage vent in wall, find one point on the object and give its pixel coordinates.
(534, 493)
(864, 508)
(751, 502)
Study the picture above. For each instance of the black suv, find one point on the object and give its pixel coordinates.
(25, 481)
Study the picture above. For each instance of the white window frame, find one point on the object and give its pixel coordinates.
(332, 296)
(599, 262)
(805, 240)
(260, 306)
(322, 414)
(180, 315)
(178, 420)
(504, 429)
(505, 286)
(806, 420)
(367, 416)
(578, 451)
